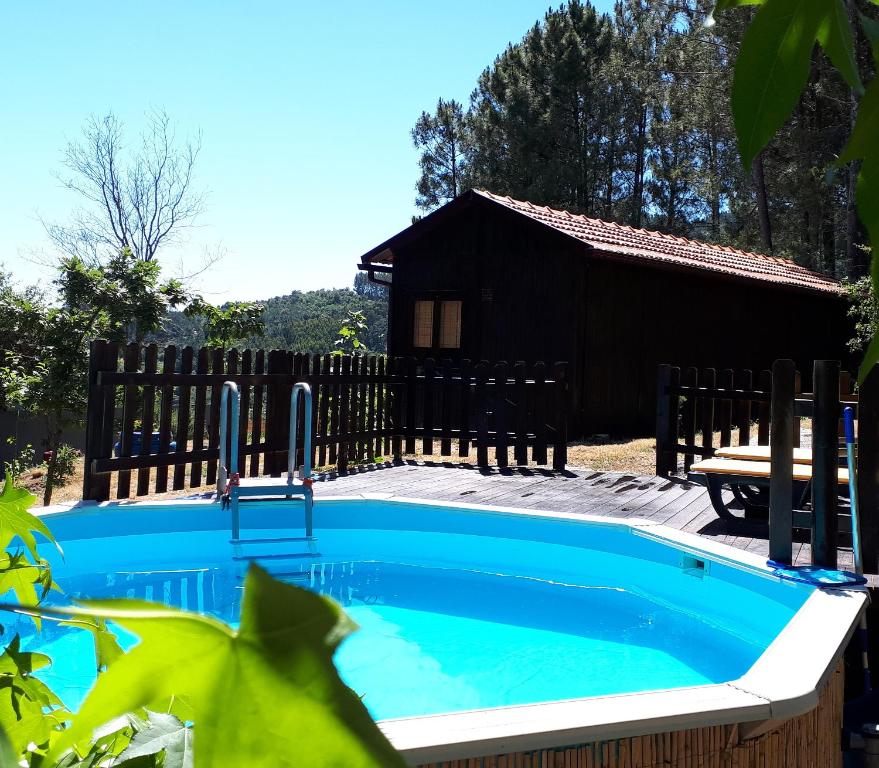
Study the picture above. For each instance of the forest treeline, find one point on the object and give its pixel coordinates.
(626, 116)
(304, 321)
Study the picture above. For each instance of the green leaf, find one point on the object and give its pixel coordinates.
(107, 648)
(771, 70)
(835, 37)
(864, 139)
(871, 32)
(868, 211)
(7, 756)
(15, 520)
(162, 732)
(723, 5)
(271, 683)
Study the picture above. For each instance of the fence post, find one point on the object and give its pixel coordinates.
(666, 458)
(868, 469)
(744, 418)
(782, 462)
(481, 405)
(560, 446)
(520, 451)
(130, 403)
(97, 487)
(708, 379)
(690, 379)
(825, 461)
(501, 438)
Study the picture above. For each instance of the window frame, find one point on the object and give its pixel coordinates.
(437, 298)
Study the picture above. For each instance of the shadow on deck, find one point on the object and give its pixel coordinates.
(671, 501)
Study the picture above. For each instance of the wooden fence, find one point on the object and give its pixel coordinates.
(364, 409)
(700, 410)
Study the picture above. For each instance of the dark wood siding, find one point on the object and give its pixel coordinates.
(639, 317)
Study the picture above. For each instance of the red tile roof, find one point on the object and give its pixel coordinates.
(618, 240)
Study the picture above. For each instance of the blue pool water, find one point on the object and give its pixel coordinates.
(457, 609)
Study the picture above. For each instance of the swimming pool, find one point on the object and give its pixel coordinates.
(477, 618)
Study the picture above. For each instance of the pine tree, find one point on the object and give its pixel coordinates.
(444, 141)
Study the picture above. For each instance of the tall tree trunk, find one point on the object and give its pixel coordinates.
(640, 162)
(762, 202)
(828, 240)
(857, 259)
(608, 187)
(713, 185)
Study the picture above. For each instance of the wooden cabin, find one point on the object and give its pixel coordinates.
(489, 277)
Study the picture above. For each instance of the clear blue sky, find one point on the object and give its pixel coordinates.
(305, 111)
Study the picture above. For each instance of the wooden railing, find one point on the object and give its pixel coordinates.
(700, 410)
(154, 420)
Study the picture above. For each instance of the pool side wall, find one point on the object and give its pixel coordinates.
(812, 739)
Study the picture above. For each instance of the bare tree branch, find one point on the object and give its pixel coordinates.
(139, 205)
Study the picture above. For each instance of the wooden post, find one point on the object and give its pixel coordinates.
(150, 361)
(825, 460)
(126, 438)
(501, 437)
(465, 404)
(868, 469)
(560, 417)
(538, 452)
(481, 406)
(201, 367)
(782, 462)
(798, 388)
(708, 379)
(746, 382)
(666, 438)
(764, 384)
(446, 410)
(397, 370)
(411, 390)
(184, 398)
(97, 487)
(690, 379)
(725, 414)
(520, 451)
(427, 406)
(169, 361)
(259, 366)
(344, 416)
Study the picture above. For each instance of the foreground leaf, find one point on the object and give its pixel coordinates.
(15, 520)
(162, 733)
(868, 210)
(771, 70)
(835, 37)
(270, 689)
(107, 648)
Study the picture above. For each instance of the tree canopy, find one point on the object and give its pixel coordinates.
(627, 116)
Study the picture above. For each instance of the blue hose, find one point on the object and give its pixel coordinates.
(848, 416)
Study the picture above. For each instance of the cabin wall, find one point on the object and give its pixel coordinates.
(639, 317)
(530, 293)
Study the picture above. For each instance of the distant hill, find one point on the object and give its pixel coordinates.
(303, 321)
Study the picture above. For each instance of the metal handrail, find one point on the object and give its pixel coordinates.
(232, 467)
(300, 388)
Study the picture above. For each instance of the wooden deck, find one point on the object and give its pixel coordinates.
(674, 502)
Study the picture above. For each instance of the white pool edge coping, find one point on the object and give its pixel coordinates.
(783, 683)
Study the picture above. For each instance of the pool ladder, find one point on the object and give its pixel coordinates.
(232, 488)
